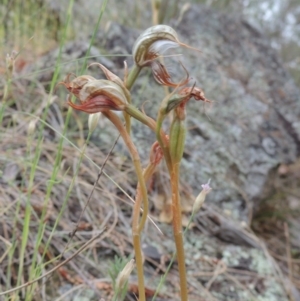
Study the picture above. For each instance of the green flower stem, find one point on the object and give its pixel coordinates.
(163, 279)
(165, 148)
(147, 174)
(175, 155)
(134, 73)
(137, 206)
(116, 295)
(127, 122)
(162, 113)
(156, 127)
(129, 83)
(177, 141)
(177, 229)
(137, 114)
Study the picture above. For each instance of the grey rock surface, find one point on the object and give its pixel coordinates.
(238, 141)
(253, 124)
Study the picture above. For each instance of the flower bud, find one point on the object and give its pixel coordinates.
(93, 121)
(31, 127)
(124, 274)
(156, 153)
(201, 197)
(173, 102)
(177, 139)
(10, 64)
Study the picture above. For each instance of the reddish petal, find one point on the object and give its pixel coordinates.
(162, 76)
(195, 92)
(96, 104)
(156, 153)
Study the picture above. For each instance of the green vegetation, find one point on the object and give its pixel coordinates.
(53, 209)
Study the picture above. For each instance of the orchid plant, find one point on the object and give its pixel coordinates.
(113, 94)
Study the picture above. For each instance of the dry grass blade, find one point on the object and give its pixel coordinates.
(72, 234)
(55, 268)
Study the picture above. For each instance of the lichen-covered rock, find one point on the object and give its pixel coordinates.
(240, 139)
(253, 124)
(219, 271)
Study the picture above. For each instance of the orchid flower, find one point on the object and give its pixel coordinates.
(148, 47)
(75, 86)
(182, 97)
(95, 95)
(114, 78)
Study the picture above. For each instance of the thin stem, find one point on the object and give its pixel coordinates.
(160, 118)
(139, 266)
(177, 229)
(148, 172)
(173, 168)
(137, 164)
(154, 126)
(136, 210)
(142, 190)
(163, 279)
(127, 122)
(134, 73)
(155, 11)
(165, 148)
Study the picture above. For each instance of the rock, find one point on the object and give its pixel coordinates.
(220, 271)
(238, 141)
(253, 124)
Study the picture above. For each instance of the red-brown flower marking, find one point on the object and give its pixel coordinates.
(195, 92)
(75, 86)
(150, 45)
(95, 95)
(187, 93)
(95, 104)
(162, 76)
(179, 99)
(154, 41)
(156, 153)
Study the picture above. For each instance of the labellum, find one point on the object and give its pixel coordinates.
(98, 103)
